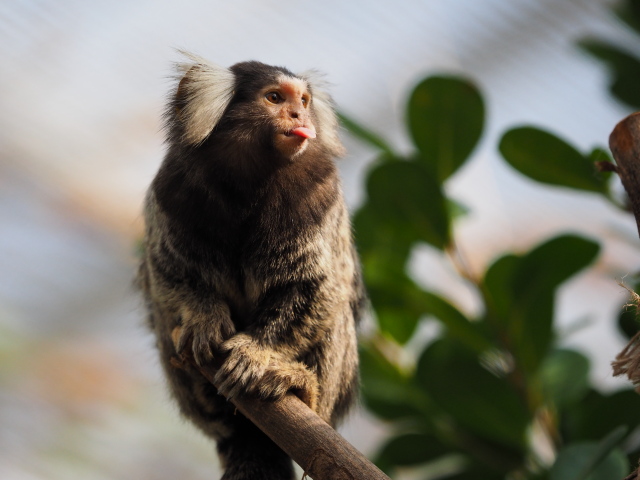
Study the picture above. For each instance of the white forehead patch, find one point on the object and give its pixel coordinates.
(296, 82)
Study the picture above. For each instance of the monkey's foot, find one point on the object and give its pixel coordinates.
(251, 369)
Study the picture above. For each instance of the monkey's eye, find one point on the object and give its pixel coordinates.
(274, 97)
(305, 101)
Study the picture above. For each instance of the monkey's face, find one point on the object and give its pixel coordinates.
(288, 105)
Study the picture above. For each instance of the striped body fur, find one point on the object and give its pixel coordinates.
(248, 255)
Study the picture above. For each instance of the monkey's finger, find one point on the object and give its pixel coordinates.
(202, 350)
(181, 337)
(250, 380)
(227, 377)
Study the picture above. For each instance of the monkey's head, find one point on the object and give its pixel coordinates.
(252, 106)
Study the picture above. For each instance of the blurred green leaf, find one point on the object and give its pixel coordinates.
(625, 70)
(381, 240)
(591, 460)
(520, 293)
(445, 117)
(394, 318)
(386, 391)
(474, 472)
(629, 12)
(410, 449)
(457, 324)
(405, 197)
(596, 415)
(553, 262)
(364, 134)
(498, 289)
(602, 156)
(599, 154)
(548, 159)
(396, 299)
(475, 398)
(538, 275)
(564, 376)
(457, 209)
(628, 321)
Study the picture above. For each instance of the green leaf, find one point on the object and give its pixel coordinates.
(629, 12)
(394, 296)
(380, 244)
(410, 449)
(564, 376)
(625, 70)
(601, 156)
(406, 198)
(591, 460)
(628, 321)
(498, 289)
(364, 134)
(546, 158)
(457, 209)
(458, 325)
(395, 319)
(476, 472)
(596, 415)
(476, 399)
(520, 291)
(446, 117)
(550, 264)
(386, 391)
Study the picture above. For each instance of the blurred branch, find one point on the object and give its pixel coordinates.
(313, 444)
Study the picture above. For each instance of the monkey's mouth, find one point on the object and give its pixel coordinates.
(303, 132)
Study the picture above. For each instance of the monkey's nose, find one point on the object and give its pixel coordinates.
(294, 114)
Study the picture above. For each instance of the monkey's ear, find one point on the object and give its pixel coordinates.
(203, 94)
(324, 108)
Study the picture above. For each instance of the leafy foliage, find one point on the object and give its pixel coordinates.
(478, 391)
(624, 66)
(548, 159)
(445, 118)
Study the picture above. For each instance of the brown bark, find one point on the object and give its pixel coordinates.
(312, 443)
(624, 142)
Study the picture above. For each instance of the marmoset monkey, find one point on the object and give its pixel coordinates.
(248, 255)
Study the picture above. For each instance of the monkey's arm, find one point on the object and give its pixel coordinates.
(264, 359)
(195, 316)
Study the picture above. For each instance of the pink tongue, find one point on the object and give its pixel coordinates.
(304, 132)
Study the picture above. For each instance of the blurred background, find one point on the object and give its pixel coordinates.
(81, 94)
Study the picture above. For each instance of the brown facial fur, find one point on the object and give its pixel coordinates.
(291, 111)
(248, 255)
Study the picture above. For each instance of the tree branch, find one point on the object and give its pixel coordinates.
(624, 142)
(312, 443)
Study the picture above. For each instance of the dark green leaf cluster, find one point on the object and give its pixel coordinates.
(624, 65)
(490, 394)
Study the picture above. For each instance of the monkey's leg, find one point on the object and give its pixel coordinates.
(248, 454)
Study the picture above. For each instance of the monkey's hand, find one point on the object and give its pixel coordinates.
(204, 333)
(253, 369)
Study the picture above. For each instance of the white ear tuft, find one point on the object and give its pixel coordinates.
(204, 92)
(325, 111)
